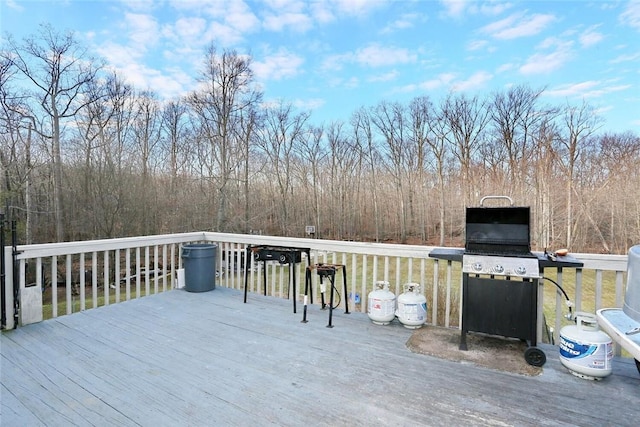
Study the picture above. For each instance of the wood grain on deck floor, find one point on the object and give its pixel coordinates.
(201, 359)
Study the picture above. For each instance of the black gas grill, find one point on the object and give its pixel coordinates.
(500, 275)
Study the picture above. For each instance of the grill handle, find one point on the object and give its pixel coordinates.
(496, 197)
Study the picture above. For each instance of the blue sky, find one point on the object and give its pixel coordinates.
(335, 56)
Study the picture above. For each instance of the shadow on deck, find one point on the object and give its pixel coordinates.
(180, 358)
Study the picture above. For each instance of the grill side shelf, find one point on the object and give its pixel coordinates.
(453, 254)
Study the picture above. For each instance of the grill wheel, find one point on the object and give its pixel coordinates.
(536, 357)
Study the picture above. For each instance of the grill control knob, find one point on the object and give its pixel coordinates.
(521, 270)
(477, 266)
(498, 269)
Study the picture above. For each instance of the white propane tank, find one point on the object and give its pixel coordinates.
(412, 307)
(382, 304)
(584, 349)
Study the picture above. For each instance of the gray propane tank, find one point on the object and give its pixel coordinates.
(382, 304)
(412, 307)
(584, 349)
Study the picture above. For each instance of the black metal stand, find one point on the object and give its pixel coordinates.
(282, 254)
(501, 307)
(325, 271)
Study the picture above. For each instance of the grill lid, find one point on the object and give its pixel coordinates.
(498, 230)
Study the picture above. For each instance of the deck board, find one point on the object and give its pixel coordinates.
(180, 358)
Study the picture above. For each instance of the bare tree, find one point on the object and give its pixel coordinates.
(618, 156)
(313, 153)
(440, 151)
(421, 117)
(342, 164)
(513, 114)
(579, 124)
(226, 91)
(282, 129)
(364, 140)
(467, 120)
(59, 70)
(391, 123)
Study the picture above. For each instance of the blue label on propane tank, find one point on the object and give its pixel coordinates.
(574, 350)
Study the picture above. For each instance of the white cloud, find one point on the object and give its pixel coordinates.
(375, 55)
(356, 7)
(477, 44)
(12, 4)
(476, 81)
(287, 14)
(457, 8)
(631, 15)
(454, 8)
(586, 89)
(372, 56)
(386, 77)
(322, 13)
(143, 30)
(222, 34)
(282, 64)
(442, 80)
(403, 22)
(188, 29)
(590, 37)
(308, 104)
(505, 67)
(240, 17)
(139, 5)
(518, 25)
(544, 63)
(625, 58)
(296, 21)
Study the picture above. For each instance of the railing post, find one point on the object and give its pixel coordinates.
(3, 297)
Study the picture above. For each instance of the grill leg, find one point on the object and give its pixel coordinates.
(463, 340)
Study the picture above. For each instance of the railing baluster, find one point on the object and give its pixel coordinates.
(147, 283)
(436, 285)
(598, 301)
(173, 266)
(559, 304)
(105, 276)
(447, 309)
(578, 294)
(353, 284)
(39, 277)
(374, 279)
(68, 285)
(163, 273)
(116, 274)
(138, 273)
(94, 278)
(127, 273)
(423, 281)
(54, 286)
(156, 267)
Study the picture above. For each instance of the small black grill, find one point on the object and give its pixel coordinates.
(500, 275)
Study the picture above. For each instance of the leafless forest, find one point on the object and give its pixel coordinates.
(86, 155)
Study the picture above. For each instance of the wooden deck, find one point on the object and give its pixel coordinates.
(200, 359)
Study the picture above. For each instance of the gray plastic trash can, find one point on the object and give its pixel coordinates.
(199, 261)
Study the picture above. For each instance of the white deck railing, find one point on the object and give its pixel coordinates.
(101, 272)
